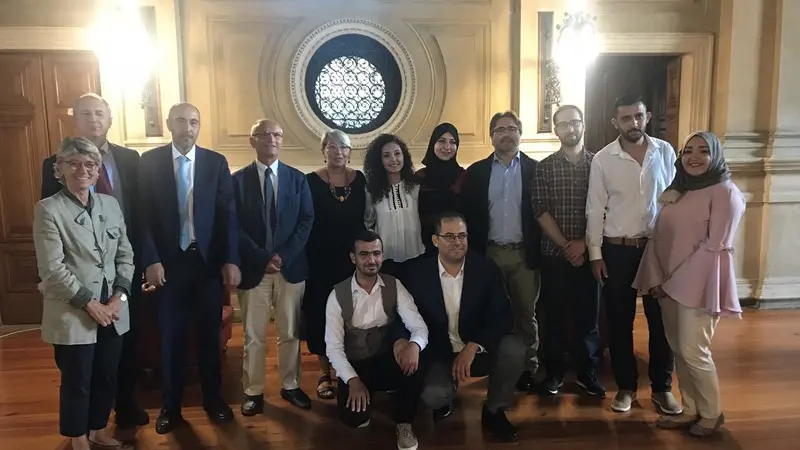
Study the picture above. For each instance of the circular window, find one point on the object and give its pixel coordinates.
(350, 92)
(353, 83)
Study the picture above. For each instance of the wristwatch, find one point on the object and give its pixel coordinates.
(123, 297)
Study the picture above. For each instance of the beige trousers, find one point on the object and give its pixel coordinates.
(689, 332)
(274, 293)
(522, 284)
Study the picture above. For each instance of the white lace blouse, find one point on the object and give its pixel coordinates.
(396, 219)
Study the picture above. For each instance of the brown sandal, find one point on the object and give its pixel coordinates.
(325, 388)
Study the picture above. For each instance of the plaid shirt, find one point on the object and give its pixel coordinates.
(560, 188)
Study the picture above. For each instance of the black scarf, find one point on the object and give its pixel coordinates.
(441, 174)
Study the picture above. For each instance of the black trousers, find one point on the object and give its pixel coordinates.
(192, 295)
(622, 263)
(381, 373)
(88, 382)
(129, 359)
(571, 302)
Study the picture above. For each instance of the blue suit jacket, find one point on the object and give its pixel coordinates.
(215, 225)
(295, 217)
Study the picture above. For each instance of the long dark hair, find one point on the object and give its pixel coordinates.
(377, 178)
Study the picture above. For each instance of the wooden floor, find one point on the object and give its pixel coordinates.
(758, 359)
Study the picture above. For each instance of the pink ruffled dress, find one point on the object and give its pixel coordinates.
(691, 253)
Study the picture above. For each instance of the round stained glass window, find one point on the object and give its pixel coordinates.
(350, 92)
(353, 83)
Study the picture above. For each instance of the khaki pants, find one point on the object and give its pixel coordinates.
(689, 332)
(523, 288)
(273, 293)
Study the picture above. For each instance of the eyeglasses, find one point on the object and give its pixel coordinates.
(90, 166)
(451, 238)
(274, 134)
(571, 124)
(502, 130)
(335, 148)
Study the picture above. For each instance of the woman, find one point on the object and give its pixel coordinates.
(85, 263)
(688, 266)
(440, 180)
(339, 201)
(392, 201)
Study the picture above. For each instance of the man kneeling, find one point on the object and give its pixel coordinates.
(461, 296)
(369, 347)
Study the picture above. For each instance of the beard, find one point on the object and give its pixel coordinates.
(632, 135)
(571, 140)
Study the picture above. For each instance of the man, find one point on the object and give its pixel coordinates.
(369, 346)
(462, 299)
(190, 247)
(559, 204)
(118, 177)
(275, 215)
(626, 178)
(497, 205)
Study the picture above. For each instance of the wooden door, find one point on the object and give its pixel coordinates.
(673, 103)
(35, 89)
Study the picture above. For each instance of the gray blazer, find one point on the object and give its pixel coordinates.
(75, 250)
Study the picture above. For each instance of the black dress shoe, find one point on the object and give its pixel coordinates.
(445, 412)
(218, 411)
(526, 383)
(253, 404)
(167, 421)
(132, 417)
(296, 397)
(498, 425)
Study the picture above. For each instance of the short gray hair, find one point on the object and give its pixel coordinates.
(338, 137)
(71, 147)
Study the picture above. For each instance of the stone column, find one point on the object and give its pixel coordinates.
(757, 114)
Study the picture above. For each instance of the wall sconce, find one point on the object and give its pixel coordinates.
(577, 45)
(123, 46)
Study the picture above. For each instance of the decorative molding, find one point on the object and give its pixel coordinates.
(353, 26)
(549, 84)
(697, 50)
(778, 293)
(44, 38)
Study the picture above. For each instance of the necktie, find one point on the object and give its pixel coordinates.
(269, 208)
(103, 185)
(183, 200)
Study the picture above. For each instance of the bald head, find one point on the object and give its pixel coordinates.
(183, 123)
(266, 137)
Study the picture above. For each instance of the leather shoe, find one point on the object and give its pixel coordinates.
(498, 425)
(526, 382)
(253, 404)
(132, 417)
(218, 411)
(445, 412)
(167, 421)
(296, 397)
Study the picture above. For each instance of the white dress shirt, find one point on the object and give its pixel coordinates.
(451, 290)
(623, 196)
(191, 155)
(262, 171)
(368, 313)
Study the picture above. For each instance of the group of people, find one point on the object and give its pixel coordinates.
(398, 280)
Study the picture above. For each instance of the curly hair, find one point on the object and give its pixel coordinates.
(377, 178)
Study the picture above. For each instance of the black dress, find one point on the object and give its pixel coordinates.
(336, 223)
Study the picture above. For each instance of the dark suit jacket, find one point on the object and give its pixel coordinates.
(295, 217)
(475, 206)
(215, 224)
(485, 315)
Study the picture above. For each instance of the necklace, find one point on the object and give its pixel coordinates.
(332, 188)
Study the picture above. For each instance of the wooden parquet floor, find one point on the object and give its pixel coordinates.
(758, 359)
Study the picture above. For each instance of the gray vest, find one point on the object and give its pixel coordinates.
(362, 344)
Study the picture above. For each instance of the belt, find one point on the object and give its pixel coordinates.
(192, 247)
(508, 246)
(626, 241)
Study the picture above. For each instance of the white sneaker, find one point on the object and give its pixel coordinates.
(365, 424)
(406, 439)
